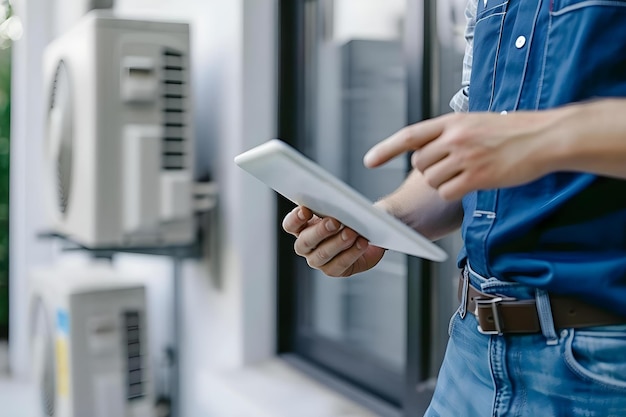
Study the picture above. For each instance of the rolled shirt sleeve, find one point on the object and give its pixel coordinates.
(460, 101)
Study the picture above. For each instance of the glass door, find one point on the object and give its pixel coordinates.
(355, 95)
(351, 73)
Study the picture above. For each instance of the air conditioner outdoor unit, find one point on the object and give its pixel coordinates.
(119, 135)
(89, 344)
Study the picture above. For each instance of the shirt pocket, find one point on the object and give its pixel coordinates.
(585, 54)
(487, 35)
(561, 7)
(490, 9)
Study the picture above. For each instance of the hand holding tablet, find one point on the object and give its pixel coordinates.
(305, 183)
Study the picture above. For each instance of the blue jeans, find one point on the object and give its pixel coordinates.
(567, 372)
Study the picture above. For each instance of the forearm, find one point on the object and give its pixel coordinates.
(589, 137)
(421, 207)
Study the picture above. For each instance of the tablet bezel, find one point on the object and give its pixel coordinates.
(304, 182)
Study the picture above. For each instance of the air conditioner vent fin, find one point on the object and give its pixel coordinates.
(134, 375)
(174, 155)
(171, 52)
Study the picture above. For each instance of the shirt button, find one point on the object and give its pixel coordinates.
(503, 112)
(520, 42)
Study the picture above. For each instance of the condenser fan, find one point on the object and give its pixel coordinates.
(60, 134)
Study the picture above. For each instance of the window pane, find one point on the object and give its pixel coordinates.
(356, 96)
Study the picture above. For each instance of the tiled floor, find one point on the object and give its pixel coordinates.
(17, 399)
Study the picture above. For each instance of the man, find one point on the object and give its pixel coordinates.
(535, 175)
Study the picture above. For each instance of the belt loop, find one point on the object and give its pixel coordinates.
(546, 321)
(463, 308)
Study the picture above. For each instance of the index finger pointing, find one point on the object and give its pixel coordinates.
(409, 138)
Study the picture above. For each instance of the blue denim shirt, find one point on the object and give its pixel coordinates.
(565, 232)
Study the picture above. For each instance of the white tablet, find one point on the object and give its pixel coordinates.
(305, 183)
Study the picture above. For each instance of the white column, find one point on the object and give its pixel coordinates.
(26, 206)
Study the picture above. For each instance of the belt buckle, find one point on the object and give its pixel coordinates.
(493, 303)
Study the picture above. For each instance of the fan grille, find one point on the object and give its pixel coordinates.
(60, 129)
(47, 382)
(42, 339)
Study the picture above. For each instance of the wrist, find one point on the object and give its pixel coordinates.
(566, 128)
(388, 205)
(577, 138)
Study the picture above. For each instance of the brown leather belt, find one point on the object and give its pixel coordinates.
(502, 315)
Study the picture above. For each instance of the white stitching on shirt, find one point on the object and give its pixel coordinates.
(543, 66)
(490, 16)
(495, 65)
(527, 59)
(487, 11)
(588, 4)
(488, 214)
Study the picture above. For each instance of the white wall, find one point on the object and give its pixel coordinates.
(229, 316)
(26, 144)
(229, 368)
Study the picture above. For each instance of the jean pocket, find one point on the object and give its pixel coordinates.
(599, 356)
(455, 317)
